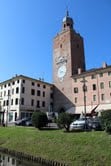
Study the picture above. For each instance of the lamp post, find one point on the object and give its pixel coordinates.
(84, 91)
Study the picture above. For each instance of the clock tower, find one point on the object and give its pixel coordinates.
(68, 59)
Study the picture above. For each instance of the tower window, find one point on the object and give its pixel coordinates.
(77, 45)
(60, 45)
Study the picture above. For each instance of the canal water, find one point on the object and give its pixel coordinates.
(6, 160)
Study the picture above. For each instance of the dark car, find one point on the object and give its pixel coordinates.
(28, 123)
(22, 122)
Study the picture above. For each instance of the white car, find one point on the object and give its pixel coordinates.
(78, 124)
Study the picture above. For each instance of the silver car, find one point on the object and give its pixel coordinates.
(78, 124)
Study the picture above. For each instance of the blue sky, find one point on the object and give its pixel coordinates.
(27, 28)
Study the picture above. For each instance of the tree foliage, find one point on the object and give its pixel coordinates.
(106, 120)
(64, 120)
(39, 119)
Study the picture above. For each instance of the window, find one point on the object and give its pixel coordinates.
(94, 97)
(4, 103)
(38, 92)
(32, 91)
(11, 101)
(44, 86)
(0, 94)
(13, 83)
(101, 74)
(23, 89)
(93, 76)
(33, 83)
(38, 85)
(32, 102)
(43, 104)
(17, 90)
(43, 94)
(38, 103)
(8, 84)
(17, 81)
(77, 45)
(94, 86)
(22, 101)
(60, 45)
(102, 97)
(5, 86)
(109, 84)
(12, 91)
(23, 81)
(4, 93)
(7, 102)
(8, 92)
(109, 73)
(16, 101)
(102, 85)
(51, 95)
(75, 90)
(75, 99)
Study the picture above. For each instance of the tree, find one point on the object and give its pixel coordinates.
(64, 120)
(39, 119)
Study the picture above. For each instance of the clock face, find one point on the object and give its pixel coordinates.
(61, 71)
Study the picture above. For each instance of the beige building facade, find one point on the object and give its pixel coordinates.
(20, 96)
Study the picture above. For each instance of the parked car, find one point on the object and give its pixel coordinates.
(28, 123)
(89, 124)
(22, 122)
(79, 124)
(96, 124)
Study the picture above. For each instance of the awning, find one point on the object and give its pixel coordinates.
(80, 109)
(96, 108)
(103, 107)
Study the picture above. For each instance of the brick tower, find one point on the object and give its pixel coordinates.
(68, 59)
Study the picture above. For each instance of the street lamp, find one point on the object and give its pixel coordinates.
(84, 91)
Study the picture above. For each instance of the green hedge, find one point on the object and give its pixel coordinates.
(106, 120)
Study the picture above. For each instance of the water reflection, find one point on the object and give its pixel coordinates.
(6, 160)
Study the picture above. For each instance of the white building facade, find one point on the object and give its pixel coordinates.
(20, 96)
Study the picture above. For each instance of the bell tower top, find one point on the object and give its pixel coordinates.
(67, 22)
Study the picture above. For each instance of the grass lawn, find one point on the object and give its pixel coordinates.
(74, 148)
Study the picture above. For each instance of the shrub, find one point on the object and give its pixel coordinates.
(39, 119)
(106, 120)
(64, 120)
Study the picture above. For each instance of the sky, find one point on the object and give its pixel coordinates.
(27, 29)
